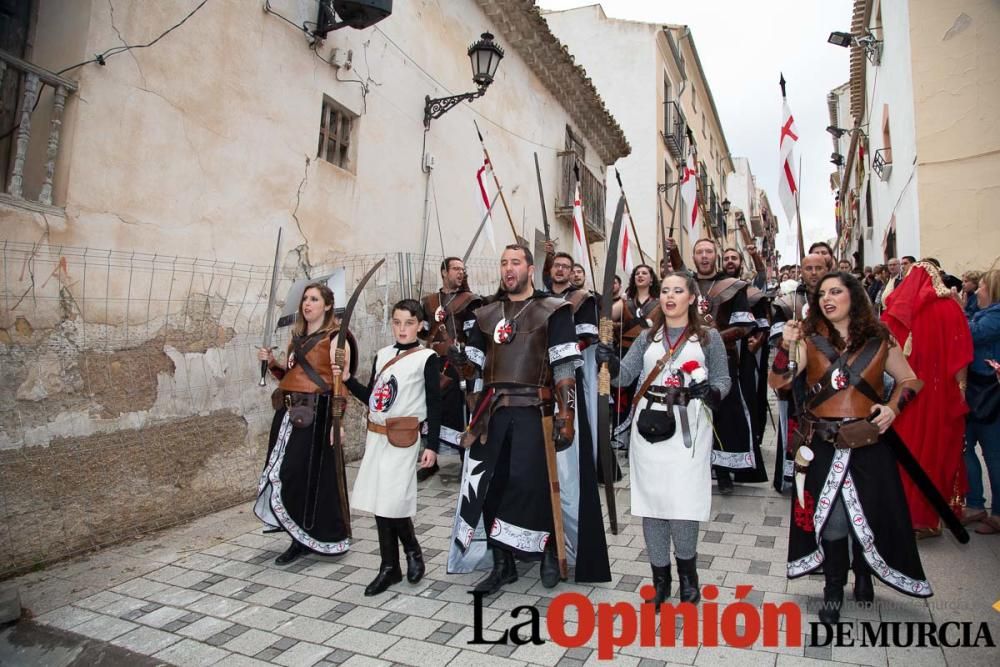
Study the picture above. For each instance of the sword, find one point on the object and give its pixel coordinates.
(269, 315)
(606, 330)
(541, 197)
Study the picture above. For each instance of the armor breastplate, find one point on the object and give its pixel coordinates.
(524, 360)
(848, 402)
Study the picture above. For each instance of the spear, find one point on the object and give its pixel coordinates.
(496, 181)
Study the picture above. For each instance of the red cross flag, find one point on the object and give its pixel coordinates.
(484, 198)
(788, 186)
(579, 239)
(689, 194)
(625, 253)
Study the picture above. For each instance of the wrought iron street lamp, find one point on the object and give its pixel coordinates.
(485, 56)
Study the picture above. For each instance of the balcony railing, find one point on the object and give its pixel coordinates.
(592, 194)
(31, 79)
(674, 129)
(703, 185)
(882, 163)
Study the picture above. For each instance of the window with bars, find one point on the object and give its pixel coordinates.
(335, 130)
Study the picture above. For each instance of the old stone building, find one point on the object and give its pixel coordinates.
(153, 152)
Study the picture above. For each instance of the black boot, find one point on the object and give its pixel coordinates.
(548, 571)
(426, 473)
(504, 572)
(687, 572)
(725, 481)
(864, 591)
(389, 572)
(292, 553)
(661, 583)
(411, 548)
(835, 566)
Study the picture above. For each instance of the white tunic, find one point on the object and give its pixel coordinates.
(387, 479)
(667, 481)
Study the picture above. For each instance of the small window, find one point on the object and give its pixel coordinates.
(335, 128)
(886, 135)
(573, 143)
(667, 174)
(666, 88)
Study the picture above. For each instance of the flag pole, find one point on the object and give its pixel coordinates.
(798, 215)
(583, 228)
(628, 211)
(496, 181)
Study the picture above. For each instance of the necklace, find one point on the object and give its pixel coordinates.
(673, 377)
(672, 346)
(704, 304)
(505, 329)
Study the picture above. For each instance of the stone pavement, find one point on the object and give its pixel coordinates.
(208, 593)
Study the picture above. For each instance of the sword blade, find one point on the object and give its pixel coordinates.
(482, 225)
(269, 314)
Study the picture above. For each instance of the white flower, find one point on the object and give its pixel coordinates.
(699, 374)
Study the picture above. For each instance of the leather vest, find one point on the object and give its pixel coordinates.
(848, 402)
(296, 379)
(720, 295)
(440, 335)
(632, 313)
(524, 360)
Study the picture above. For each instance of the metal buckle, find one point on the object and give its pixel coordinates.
(288, 401)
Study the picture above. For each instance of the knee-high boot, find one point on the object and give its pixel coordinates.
(687, 572)
(414, 556)
(864, 591)
(389, 572)
(835, 565)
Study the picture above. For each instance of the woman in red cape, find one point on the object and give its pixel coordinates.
(929, 323)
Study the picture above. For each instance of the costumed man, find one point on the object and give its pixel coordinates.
(723, 303)
(639, 310)
(581, 460)
(449, 314)
(753, 356)
(930, 324)
(525, 344)
(793, 304)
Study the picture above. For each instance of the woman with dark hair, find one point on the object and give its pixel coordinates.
(302, 489)
(683, 375)
(403, 392)
(637, 312)
(847, 480)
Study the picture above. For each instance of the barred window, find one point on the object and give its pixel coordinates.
(336, 125)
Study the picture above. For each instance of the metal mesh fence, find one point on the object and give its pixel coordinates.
(129, 384)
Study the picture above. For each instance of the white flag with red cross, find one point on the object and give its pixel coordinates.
(689, 195)
(625, 251)
(579, 238)
(788, 186)
(483, 197)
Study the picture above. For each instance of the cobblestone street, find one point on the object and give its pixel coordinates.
(208, 593)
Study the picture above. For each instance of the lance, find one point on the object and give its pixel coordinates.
(496, 181)
(338, 401)
(605, 333)
(482, 225)
(628, 212)
(269, 315)
(541, 197)
(586, 241)
(793, 350)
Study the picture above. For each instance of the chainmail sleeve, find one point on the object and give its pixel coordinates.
(631, 364)
(718, 363)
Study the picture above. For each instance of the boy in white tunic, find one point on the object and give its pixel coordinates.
(403, 391)
(683, 376)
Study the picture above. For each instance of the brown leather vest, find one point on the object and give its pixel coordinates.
(848, 402)
(720, 295)
(630, 313)
(524, 360)
(319, 358)
(441, 334)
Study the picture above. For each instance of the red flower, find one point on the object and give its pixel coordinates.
(804, 515)
(689, 366)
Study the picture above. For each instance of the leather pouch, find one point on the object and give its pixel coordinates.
(301, 409)
(857, 434)
(402, 431)
(656, 425)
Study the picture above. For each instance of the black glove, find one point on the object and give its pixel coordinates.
(457, 357)
(708, 394)
(605, 352)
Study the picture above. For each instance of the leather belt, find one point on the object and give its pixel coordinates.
(825, 429)
(668, 395)
(378, 428)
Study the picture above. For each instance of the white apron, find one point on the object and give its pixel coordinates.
(667, 482)
(387, 479)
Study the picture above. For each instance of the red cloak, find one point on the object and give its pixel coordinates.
(931, 326)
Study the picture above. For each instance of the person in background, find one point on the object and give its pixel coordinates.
(969, 298)
(578, 278)
(983, 426)
(876, 283)
(824, 250)
(845, 266)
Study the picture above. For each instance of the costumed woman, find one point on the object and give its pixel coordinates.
(303, 489)
(404, 390)
(852, 484)
(682, 374)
